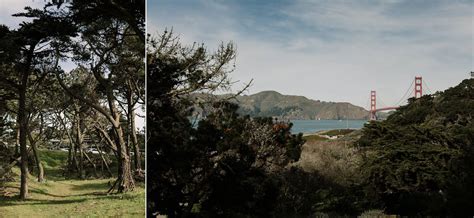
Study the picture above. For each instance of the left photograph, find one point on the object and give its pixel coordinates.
(72, 108)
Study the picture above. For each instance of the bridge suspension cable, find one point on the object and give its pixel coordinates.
(367, 103)
(414, 90)
(404, 97)
(426, 85)
(382, 103)
(412, 93)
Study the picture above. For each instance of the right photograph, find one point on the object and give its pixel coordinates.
(309, 108)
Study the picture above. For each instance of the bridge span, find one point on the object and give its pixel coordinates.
(416, 92)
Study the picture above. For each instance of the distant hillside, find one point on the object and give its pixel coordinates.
(274, 104)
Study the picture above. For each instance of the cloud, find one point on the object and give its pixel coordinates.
(333, 50)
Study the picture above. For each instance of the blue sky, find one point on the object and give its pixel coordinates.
(331, 50)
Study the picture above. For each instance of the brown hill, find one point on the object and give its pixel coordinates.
(272, 103)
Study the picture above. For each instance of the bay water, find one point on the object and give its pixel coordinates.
(312, 126)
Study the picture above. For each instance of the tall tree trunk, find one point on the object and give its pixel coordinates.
(74, 166)
(74, 158)
(104, 161)
(81, 155)
(136, 146)
(37, 158)
(133, 132)
(69, 156)
(23, 132)
(125, 181)
(79, 142)
(17, 142)
(71, 161)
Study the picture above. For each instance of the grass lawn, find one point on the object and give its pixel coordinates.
(336, 132)
(311, 138)
(68, 197)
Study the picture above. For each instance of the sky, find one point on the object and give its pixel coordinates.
(10, 7)
(331, 50)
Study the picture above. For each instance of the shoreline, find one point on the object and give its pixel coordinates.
(321, 132)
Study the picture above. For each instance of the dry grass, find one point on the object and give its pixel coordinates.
(311, 138)
(335, 159)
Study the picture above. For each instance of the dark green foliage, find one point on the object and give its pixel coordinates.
(131, 12)
(420, 160)
(230, 164)
(242, 191)
(218, 167)
(172, 158)
(306, 193)
(6, 156)
(241, 182)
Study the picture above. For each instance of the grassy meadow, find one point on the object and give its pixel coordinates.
(68, 197)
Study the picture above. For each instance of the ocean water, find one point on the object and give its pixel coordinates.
(312, 126)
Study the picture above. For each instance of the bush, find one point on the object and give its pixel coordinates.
(306, 193)
(336, 160)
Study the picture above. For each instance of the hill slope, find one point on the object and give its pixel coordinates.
(272, 103)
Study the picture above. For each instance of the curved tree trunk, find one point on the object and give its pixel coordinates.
(37, 158)
(71, 160)
(125, 181)
(38, 164)
(133, 132)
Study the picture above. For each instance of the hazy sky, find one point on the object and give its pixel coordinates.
(331, 50)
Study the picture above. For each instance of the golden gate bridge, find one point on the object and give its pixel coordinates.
(415, 90)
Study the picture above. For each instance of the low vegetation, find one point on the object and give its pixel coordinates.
(336, 160)
(338, 132)
(312, 138)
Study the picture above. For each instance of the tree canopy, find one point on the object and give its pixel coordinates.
(420, 160)
(92, 105)
(224, 165)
